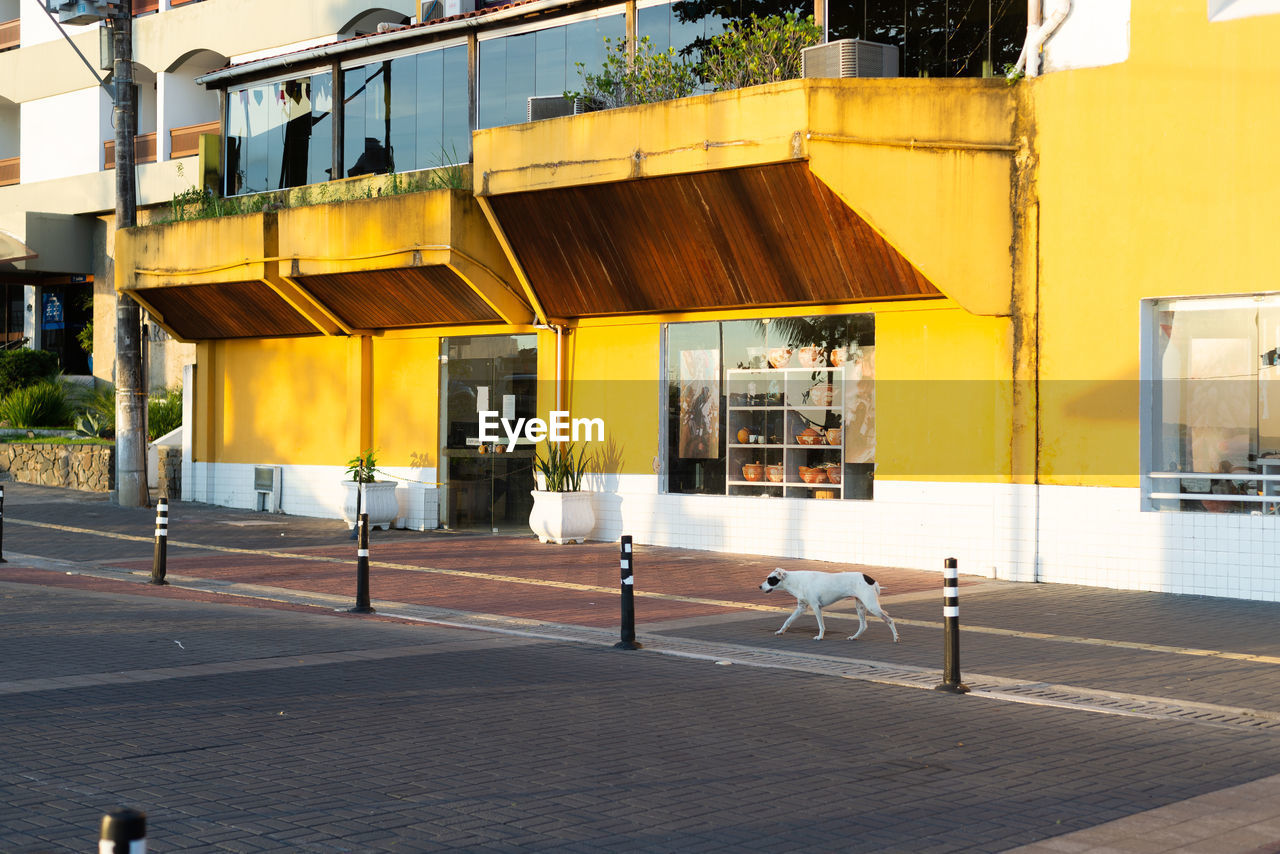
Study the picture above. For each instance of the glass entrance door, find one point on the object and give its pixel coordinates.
(487, 484)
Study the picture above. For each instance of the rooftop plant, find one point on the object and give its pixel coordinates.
(624, 81)
(758, 50)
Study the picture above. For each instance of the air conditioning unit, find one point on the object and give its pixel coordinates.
(266, 483)
(458, 7)
(79, 12)
(553, 107)
(429, 10)
(850, 58)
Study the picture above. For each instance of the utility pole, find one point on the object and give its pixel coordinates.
(131, 396)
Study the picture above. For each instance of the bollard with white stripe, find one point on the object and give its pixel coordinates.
(951, 625)
(124, 831)
(362, 567)
(628, 600)
(162, 542)
(2, 560)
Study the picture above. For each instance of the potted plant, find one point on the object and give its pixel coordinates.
(365, 494)
(561, 513)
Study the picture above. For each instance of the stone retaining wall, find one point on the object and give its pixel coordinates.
(88, 467)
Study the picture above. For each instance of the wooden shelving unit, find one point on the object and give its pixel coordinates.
(774, 406)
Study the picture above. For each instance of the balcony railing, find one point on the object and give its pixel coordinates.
(185, 141)
(144, 150)
(182, 2)
(10, 34)
(141, 7)
(9, 172)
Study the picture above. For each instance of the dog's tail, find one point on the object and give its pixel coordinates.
(875, 585)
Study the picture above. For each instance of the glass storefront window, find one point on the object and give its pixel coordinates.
(279, 134)
(781, 406)
(1216, 405)
(487, 485)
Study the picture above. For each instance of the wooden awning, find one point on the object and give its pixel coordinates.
(802, 192)
(756, 236)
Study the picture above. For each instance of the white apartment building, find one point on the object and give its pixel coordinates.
(57, 180)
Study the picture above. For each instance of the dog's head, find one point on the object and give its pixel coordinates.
(775, 578)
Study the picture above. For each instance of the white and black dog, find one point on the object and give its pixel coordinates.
(818, 589)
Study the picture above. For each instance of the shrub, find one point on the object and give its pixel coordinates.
(164, 413)
(624, 81)
(758, 50)
(95, 408)
(25, 367)
(41, 405)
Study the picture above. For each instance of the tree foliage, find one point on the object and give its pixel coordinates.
(625, 81)
(758, 50)
(23, 367)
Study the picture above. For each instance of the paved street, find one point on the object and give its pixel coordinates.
(483, 708)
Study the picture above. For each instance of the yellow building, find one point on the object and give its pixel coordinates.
(889, 321)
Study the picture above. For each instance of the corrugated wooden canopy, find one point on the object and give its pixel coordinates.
(760, 235)
(225, 310)
(411, 296)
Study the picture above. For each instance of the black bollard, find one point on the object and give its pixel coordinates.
(123, 832)
(2, 560)
(628, 600)
(951, 624)
(162, 541)
(362, 567)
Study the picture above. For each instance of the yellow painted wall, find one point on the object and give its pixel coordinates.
(322, 400)
(928, 164)
(614, 377)
(279, 400)
(944, 400)
(1156, 177)
(405, 398)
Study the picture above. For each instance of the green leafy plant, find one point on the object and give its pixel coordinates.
(24, 367)
(362, 466)
(624, 81)
(85, 336)
(97, 401)
(41, 405)
(164, 413)
(562, 468)
(92, 425)
(758, 50)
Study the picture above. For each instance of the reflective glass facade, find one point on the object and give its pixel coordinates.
(411, 112)
(517, 67)
(407, 113)
(279, 134)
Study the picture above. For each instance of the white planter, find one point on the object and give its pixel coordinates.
(562, 517)
(379, 502)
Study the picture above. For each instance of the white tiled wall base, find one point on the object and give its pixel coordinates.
(1072, 535)
(311, 490)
